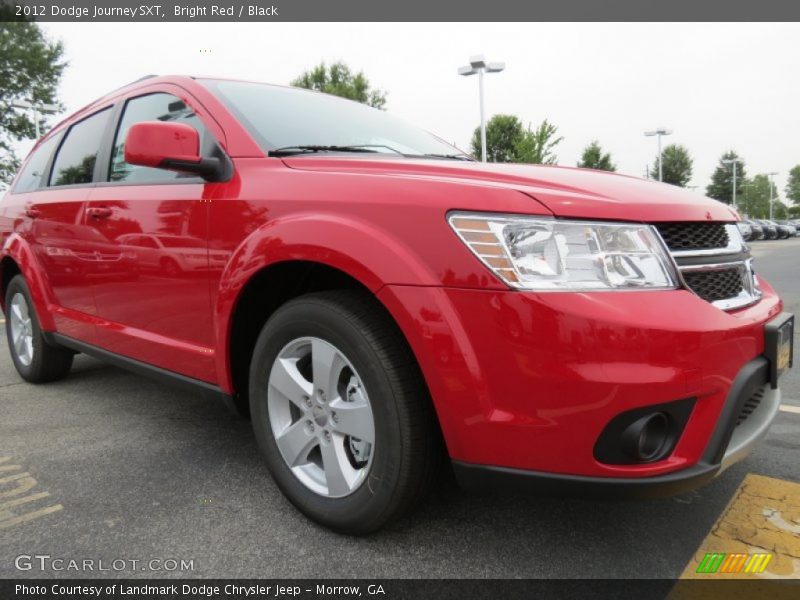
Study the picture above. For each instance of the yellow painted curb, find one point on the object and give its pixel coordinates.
(763, 517)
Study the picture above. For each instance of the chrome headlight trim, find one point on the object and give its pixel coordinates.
(544, 254)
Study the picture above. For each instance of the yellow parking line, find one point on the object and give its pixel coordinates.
(17, 495)
(48, 510)
(759, 528)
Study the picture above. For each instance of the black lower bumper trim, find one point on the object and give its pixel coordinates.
(752, 376)
(483, 478)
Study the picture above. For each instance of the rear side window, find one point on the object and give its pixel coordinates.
(76, 158)
(30, 178)
(153, 107)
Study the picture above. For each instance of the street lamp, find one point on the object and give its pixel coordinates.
(732, 161)
(659, 132)
(747, 188)
(477, 64)
(38, 110)
(769, 178)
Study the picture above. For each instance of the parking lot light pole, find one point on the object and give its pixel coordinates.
(659, 132)
(477, 64)
(769, 178)
(38, 111)
(732, 161)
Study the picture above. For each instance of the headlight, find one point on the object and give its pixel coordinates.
(550, 254)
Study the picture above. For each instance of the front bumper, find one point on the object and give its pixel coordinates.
(732, 441)
(524, 383)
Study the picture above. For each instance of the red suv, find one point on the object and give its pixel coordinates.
(377, 300)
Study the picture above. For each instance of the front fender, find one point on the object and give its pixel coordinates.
(367, 253)
(20, 251)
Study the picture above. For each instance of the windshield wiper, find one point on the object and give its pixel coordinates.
(465, 157)
(306, 149)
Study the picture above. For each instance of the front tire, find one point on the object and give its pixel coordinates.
(341, 412)
(34, 358)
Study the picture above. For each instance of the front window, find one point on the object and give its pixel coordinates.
(152, 107)
(291, 118)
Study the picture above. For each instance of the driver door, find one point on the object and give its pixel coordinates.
(155, 306)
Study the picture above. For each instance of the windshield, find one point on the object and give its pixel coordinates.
(291, 118)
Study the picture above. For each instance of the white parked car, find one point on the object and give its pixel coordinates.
(170, 254)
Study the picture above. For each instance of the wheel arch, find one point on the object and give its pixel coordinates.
(301, 253)
(17, 259)
(264, 293)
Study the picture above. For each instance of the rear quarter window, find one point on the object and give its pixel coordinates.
(32, 175)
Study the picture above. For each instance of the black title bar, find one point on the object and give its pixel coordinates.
(393, 589)
(400, 10)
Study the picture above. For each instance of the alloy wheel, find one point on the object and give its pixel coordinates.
(321, 417)
(21, 329)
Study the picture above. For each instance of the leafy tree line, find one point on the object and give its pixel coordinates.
(753, 193)
(31, 67)
(338, 79)
(508, 140)
(30, 70)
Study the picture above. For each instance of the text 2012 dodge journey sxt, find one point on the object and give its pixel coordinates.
(377, 300)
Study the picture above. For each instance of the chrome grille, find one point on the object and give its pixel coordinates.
(715, 285)
(713, 261)
(693, 236)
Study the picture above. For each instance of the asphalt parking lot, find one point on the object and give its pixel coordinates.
(119, 467)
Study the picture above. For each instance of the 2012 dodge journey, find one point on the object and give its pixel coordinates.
(376, 300)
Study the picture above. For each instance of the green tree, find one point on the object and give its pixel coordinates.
(593, 157)
(504, 134)
(677, 165)
(30, 70)
(793, 186)
(339, 80)
(753, 196)
(721, 186)
(754, 200)
(538, 146)
(507, 141)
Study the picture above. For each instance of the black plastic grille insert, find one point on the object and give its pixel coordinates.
(715, 285)
(750, 406)
(693, 236)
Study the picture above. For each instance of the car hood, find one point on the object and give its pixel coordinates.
(566, 192)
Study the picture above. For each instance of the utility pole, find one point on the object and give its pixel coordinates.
(732, 161)
(37, 109)
(769, 178)
(477, 64)
(659, 132)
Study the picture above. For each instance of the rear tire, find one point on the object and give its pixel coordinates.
(385, 478)
(34, 358)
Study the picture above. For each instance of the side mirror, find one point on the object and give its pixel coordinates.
(170, 146)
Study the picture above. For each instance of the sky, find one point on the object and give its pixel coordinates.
(717, 86)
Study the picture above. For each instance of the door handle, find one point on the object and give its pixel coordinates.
(32, 212)
(99, 212)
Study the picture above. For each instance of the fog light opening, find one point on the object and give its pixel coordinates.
(646, 438)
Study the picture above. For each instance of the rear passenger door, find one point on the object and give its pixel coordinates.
(64, 247)
(157, 220)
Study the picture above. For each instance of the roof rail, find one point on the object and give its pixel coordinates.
(131, 83)
(141, 79)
